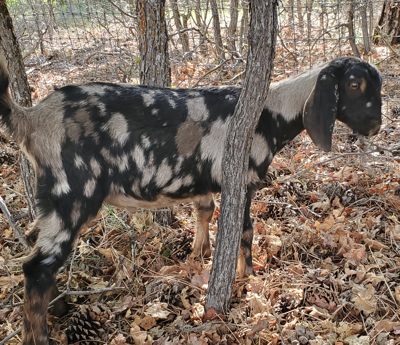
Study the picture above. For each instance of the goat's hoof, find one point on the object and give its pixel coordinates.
(59, 308)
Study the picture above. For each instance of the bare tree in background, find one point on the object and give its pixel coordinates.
(364, 27)
(183, 36)
(388, 28)
(262, 37)
(234, 14)
(350, 26)
(9, 48)
(155, 69)
(244, 25)
(217, 30)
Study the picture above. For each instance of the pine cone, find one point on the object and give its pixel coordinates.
(86, 325)
(178, 246)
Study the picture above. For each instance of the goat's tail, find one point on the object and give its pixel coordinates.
(5, 100)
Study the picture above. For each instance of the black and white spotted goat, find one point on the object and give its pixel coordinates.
(136, 146)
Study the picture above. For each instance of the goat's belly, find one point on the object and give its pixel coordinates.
(162, 201)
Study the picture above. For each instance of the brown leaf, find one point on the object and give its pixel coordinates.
(356, 254)
(375, 245)
(147, 322)
(386, 326)
(364, 298)
(140, 337)
(201, 280)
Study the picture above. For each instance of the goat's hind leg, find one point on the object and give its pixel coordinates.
(205, 209)
(245, 260)
(54, 243)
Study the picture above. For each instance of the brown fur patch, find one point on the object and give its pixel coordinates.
(188, 137)
(363, 85)
(35, 317)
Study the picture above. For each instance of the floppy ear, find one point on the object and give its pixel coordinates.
(320, 109)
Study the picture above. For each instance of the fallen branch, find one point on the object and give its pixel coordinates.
(16, 230)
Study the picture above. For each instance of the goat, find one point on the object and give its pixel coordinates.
(146, 147)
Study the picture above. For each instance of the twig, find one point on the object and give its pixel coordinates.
(16, 230)
(10, 336)
(211, 71)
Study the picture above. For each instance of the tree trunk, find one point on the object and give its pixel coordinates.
(20, 90)
(388, 29)
(232, 29)
(350, 25)
(155, 67)
(217, 30)
(183, 36)
(262, 39)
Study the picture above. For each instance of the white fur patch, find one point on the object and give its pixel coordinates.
(164, 174)
(138, 157)
(89, 188)
(117, 127)
(96, 168)
(197, 109)
(259, 149)
(51, 234)
(78, 161)
(148, 98)
(287, 97)
(212, 146)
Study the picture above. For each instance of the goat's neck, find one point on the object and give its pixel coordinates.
(281, 119)
(277, 130)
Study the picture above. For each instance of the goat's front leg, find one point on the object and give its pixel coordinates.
(245, 260)
(205, 209)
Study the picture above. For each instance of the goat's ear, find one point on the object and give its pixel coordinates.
(320, 109)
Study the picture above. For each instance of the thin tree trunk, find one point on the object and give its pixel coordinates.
(201, 26)
(183, 37)
(350, 25)
(155, 67)
(300, 16)
(262, 37)
(217, 30)
(20, 90)
(364, 28)
(232, 29)
(389, 23)
(244, 26)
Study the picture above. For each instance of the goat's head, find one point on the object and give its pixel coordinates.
(349, 90)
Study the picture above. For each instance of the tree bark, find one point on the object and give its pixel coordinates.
(155, 67)
(389, 23)
(262, 39)
(9, 48)
(217, 30)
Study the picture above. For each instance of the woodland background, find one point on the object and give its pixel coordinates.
(327, 229)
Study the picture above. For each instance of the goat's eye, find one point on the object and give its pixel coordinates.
(354, 85)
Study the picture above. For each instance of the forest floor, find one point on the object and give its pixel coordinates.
(326, 252)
